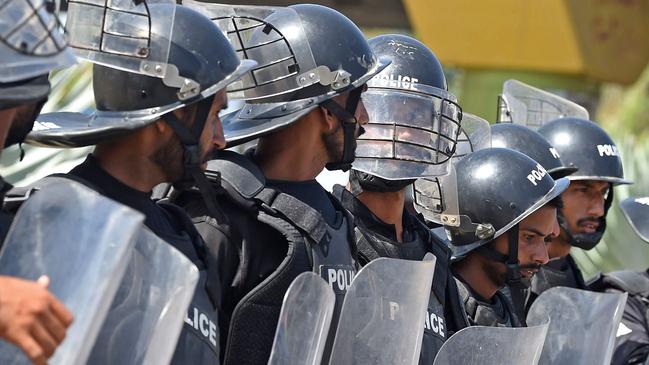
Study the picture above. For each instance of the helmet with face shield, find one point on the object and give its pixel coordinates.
(31, 45)
(307, 55)
(150, 59)
(414, 122)
(31, 41)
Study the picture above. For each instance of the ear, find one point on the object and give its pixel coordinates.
(329, 119)
(161, 126)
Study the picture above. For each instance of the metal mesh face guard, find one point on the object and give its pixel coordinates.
(436, 197)
(285, 60)
(532, 107)
(120, 34)
(410, 134)
(31, 43)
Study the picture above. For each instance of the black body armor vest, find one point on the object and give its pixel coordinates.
(499, 314)
(560, 272)
(442, 318)
(284, 222)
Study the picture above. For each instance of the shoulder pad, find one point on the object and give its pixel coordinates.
(632, 282)
(238, 173)
(15, 197)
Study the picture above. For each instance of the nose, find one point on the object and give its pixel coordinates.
(596, 206)
(556, 229)
(218, 138)
(361, 113)
(540, 254)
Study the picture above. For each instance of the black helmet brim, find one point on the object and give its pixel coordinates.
(64, 129)
(560, 172)
(239, 129)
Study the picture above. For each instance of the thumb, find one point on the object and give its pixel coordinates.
(44, 281)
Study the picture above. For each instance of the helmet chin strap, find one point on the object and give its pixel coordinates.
(192, 160)
(347, 117)
(587, 241)
(514, 280)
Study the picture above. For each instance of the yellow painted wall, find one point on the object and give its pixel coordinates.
(602, 39)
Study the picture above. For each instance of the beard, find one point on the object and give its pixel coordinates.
(169, 158)
(495, 272)
(22, 123)
(334, 141)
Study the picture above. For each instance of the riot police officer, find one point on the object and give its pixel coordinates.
(410, 100)
(304, 104)
(507, 206)
(584, 145)
(159, 85)
(632, 341)
(30, 47)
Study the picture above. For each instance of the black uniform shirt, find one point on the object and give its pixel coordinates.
(157, 219)
(194, 345)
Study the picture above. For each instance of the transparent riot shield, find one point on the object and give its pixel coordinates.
(382, 314)
(82, 241)
(148, 312)
(583, 325)
(303, 322)
(636, 211)
(480, 345)
(524, 104)
(475, 135)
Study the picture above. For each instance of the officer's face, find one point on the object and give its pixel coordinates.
(583, 205)
(170, 154)
(335, 140)
(533, 234)
(22, 122)
(212, 136)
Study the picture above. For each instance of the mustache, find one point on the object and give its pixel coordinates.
(360, 131)
(587, 220)
(530, 267)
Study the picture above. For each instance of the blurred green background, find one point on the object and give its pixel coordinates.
(594, 52)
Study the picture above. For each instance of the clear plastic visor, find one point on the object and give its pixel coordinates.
(31, 43)
(122, 34)
(409, 135)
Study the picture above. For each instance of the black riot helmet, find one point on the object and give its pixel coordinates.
(583, 144)
(532, 144)
(31, 45)
(496, 189)
(414, 122)
(151, 69)
(307, 55)
(150, 59)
